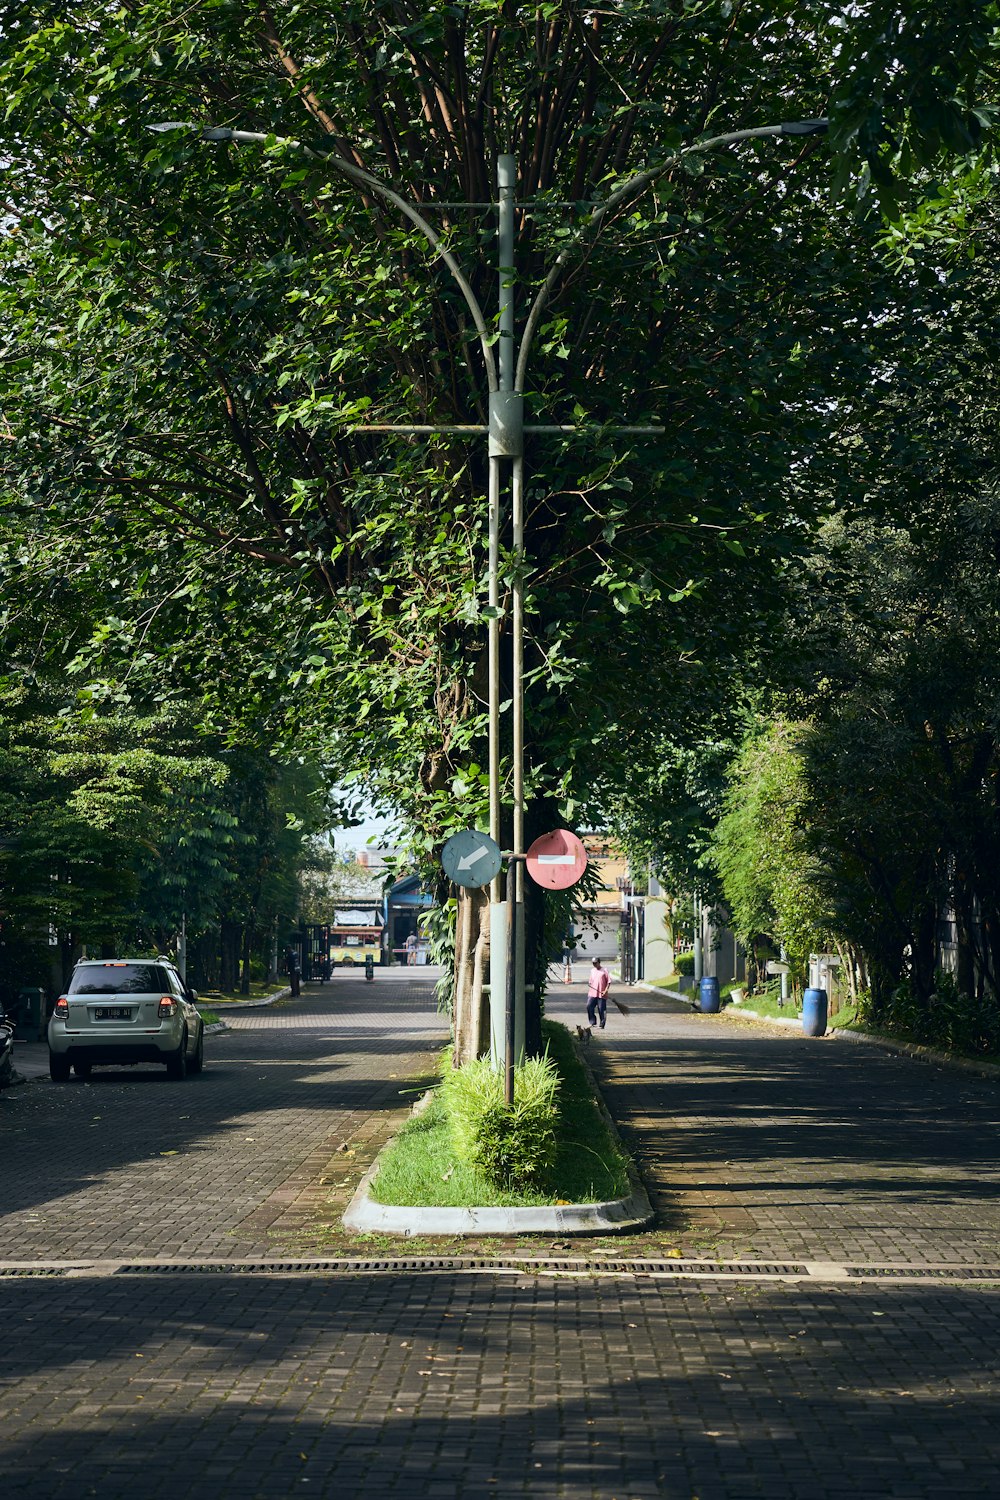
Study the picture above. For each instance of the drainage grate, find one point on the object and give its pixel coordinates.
(692, 1267)
(284, 1267)
(35, 1270)
(926, 1273)
(457, 1263)
(704, 1269)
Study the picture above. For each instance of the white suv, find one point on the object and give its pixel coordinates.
(125, 1010)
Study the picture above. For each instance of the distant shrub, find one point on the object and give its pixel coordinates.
(948, 1019)
(684, 964)
(514, 1148)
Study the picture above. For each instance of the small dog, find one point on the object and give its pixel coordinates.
(584, 1033)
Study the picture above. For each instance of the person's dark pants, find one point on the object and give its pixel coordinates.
(597, 1006)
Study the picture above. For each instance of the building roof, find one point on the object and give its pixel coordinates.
(406, 891)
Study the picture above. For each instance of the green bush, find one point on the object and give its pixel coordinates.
(513, 1147)
(948, 1019)
(684, 964)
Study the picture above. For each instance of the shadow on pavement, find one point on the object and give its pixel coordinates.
(774, 1105)
(253, 1387)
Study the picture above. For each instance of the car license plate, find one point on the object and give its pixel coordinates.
(112, 1013)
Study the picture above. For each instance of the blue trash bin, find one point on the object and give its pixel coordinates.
(814, 1012)
(708, 995)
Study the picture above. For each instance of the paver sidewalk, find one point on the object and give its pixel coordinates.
(758, 1140)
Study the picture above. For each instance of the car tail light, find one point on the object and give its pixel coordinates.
(167, 1007)
(61, 1008)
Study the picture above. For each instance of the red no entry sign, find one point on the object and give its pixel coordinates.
(557, 860)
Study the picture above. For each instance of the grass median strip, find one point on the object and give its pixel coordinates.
(422, 1169)
(258, 991)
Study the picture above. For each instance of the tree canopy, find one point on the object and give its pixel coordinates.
(195, 332)
(890, 674)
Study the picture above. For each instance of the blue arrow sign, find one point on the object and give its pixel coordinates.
(471, 859)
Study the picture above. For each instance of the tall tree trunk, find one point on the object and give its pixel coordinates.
(229, 943)
(965, 976)
(471, 1013)
(924, 955)
(245, 975)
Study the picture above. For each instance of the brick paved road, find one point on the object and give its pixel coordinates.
(758, 1140)
(234, 1388)
(131, 1164)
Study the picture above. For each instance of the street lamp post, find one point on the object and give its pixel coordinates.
(505, 432)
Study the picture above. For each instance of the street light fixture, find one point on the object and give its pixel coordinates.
(505, 432)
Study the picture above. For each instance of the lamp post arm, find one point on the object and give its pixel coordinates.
(375, 185)
(631, 189)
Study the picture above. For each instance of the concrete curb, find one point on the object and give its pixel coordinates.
(729, 1010)
(233, 1007)
(753, 1015)
(615, 1216)
(657, 989)
(888, 1044)
(921, 1054)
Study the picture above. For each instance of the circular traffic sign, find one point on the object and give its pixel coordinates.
(557, 860)
(470, 858)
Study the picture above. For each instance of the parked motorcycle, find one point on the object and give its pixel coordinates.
(8, 1075)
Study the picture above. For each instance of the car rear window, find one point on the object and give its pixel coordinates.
(119, 979)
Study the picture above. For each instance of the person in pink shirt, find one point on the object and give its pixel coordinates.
(597, 994)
